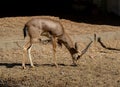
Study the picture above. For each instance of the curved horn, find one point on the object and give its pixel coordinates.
(85, 50)
(76, 46)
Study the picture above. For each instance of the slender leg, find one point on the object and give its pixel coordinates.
(24, 58)
(54, 50)
(24, 54)
(25, 49)
(29, 55)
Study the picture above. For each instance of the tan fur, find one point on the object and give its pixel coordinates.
(37, 27)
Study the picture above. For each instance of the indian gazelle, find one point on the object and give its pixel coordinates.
(38, 27)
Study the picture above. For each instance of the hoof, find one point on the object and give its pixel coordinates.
(74, 65)
(32, 66)
(56, 65)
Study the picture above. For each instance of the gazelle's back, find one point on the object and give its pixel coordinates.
(45, 25)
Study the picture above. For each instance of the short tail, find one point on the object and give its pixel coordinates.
(24, 31)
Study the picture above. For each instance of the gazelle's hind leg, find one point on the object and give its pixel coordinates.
(54, 43)
(29, 55)
(26, 50)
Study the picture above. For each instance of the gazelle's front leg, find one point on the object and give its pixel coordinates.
(54, 43)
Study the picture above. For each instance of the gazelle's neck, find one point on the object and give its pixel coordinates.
(69, 44)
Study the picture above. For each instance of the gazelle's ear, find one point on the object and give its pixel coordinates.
(76, 46)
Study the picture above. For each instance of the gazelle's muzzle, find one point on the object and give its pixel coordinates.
(76, 56)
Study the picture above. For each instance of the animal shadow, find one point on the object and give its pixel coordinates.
(11, 65)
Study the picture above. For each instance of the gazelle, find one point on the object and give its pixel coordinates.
(37, 27)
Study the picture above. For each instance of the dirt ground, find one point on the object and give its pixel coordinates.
(99, 67)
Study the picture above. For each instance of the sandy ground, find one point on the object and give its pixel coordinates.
(97, 68)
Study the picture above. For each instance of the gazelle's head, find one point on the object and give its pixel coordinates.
(75, 54)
